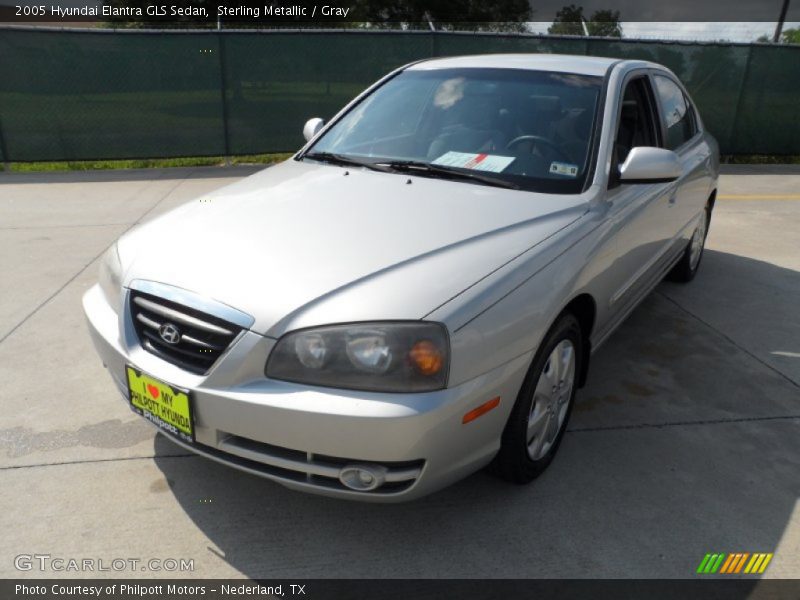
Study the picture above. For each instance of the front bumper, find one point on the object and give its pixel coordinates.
(301, 436)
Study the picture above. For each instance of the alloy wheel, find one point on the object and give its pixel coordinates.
(698, 239)
(551, 398)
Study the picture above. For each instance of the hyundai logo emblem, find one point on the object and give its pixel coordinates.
(169, 333)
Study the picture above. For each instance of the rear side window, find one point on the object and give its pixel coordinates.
(678, 117)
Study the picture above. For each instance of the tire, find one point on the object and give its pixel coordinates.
(526, 452)
(687, 267)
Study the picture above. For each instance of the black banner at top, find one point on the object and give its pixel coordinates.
(377, 13)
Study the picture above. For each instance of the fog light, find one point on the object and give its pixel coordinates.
(362, 478)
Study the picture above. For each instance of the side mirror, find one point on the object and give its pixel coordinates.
(312, 127)
(650, 165)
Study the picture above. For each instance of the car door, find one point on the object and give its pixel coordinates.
(682, 134)
(642, 215)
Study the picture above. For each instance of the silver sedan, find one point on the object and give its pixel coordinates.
(416, 294)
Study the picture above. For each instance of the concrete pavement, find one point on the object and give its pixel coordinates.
(685, 440)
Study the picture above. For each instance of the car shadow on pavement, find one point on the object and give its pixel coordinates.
(683, 442)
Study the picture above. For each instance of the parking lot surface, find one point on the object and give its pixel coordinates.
(684, 441)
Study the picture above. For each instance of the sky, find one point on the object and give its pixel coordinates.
(747, 31)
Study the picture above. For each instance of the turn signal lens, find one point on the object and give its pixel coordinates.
(426, 357)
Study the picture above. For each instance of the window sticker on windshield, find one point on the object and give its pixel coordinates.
(567, 169)
(480, 162)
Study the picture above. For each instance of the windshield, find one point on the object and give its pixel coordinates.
(532, 129)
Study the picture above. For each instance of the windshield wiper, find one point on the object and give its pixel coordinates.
(410, 166)
(341, 159)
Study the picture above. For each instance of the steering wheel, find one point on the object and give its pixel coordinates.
(537, 139)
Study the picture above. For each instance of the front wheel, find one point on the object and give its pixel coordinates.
(686, 268)
(539, 417)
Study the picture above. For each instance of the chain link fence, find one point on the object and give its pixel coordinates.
(105, 94)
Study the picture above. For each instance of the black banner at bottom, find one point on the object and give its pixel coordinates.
(405, 589)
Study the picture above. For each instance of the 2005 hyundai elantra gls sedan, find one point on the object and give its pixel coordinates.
(416, 293)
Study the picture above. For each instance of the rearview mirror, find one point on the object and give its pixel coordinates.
(650, 165)
(312, 127)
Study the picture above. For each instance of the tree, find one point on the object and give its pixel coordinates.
(570, 21)
(445, 15)
(605, 23)
(788, 36)
(791, 36)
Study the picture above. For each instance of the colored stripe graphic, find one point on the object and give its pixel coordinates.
(702, 567)
(715, 567)
(731, 565)
(727, 563)
(764, 564)
(740, 564)
(703, 563)
(734, 563)
(718, 563)
(713, 563)
(755, 561)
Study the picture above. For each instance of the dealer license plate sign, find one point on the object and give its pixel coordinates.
(166, 407)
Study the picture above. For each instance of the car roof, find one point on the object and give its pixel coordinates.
(564, 63)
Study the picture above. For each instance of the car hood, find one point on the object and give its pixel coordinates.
(303, 244)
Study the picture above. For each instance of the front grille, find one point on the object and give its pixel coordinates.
(201, 338)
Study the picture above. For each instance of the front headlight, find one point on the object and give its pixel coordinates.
(379, 357)
(111, 277)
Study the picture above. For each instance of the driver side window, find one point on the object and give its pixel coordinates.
(637, 124)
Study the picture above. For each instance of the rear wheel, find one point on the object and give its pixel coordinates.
(687, 267)
(539, 417)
